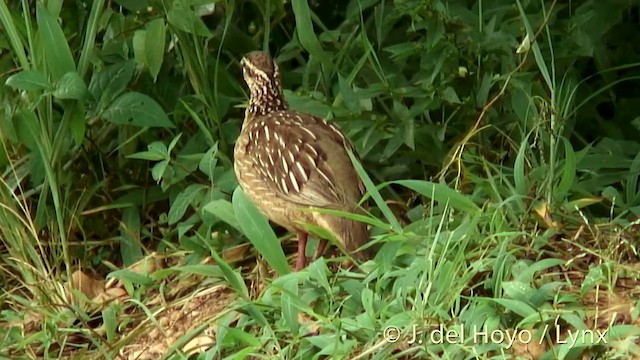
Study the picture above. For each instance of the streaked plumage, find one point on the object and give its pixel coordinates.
(287, 161)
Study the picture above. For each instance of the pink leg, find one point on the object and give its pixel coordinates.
(322, 244)
(302, 246)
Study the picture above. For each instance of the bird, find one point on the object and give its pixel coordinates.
(288, 162)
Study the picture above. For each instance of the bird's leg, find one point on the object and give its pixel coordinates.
(302, 246)
(322, 244)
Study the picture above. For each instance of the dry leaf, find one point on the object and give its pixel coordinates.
(86, 284)
(198, 345)
(544, 215)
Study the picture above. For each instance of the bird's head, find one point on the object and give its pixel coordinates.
(263, 79)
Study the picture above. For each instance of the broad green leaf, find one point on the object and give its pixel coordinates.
(130, 247)
(393, 145)
(29, 80)
(183, 18)
(441, 193)
(137, 109)
(110, 322)
(71, 86)
(521, 308)
(517, 290)
(223, 210)
(289, 309)
(54, 7)
(622, 332)
(55, 47)
(154, 46)
(27, 128)
(318, 271)
(256, 227)
(158, 170)
(527, 275)
(139, 42)
(77, 122)
(209, 161)
(183, 201)
(595, 277)
(110, 82)
(156, 151)
(449, 95)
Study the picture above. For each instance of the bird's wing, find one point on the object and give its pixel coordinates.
(303, 159)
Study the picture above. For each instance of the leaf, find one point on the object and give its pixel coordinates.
(110, 82)
(71, 86)
(318, 271)
(526, 276)
(158, 170)
(375, 194)
(209, 161)
(132, 277)
(449, 95)
(134, 5)
(139, 42)
(182, 17)
(110, 322)
(154, 46)
(440, 193)
(290, 311)
(233, 278)
(304, 29)
(568, 170)
(156, 151)
(130, 247)
(182, 202)
(521, 308)
(519, 175)
(56, 50)
(537, 54)
(77, 122)
(223, 210)
(137, 109)
(256, 227)
(29, 80)
(595, 277)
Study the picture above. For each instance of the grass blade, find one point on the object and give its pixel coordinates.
(55, 47)
(256, 227)
(304, 29)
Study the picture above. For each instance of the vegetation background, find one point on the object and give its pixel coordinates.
(500, 141)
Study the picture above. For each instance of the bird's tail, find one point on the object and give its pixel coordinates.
(354, 236)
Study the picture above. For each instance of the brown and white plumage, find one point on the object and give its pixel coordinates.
(288, 161)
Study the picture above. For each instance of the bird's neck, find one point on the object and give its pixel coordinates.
(265, 100)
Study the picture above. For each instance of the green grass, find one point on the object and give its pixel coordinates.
(498, 145)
